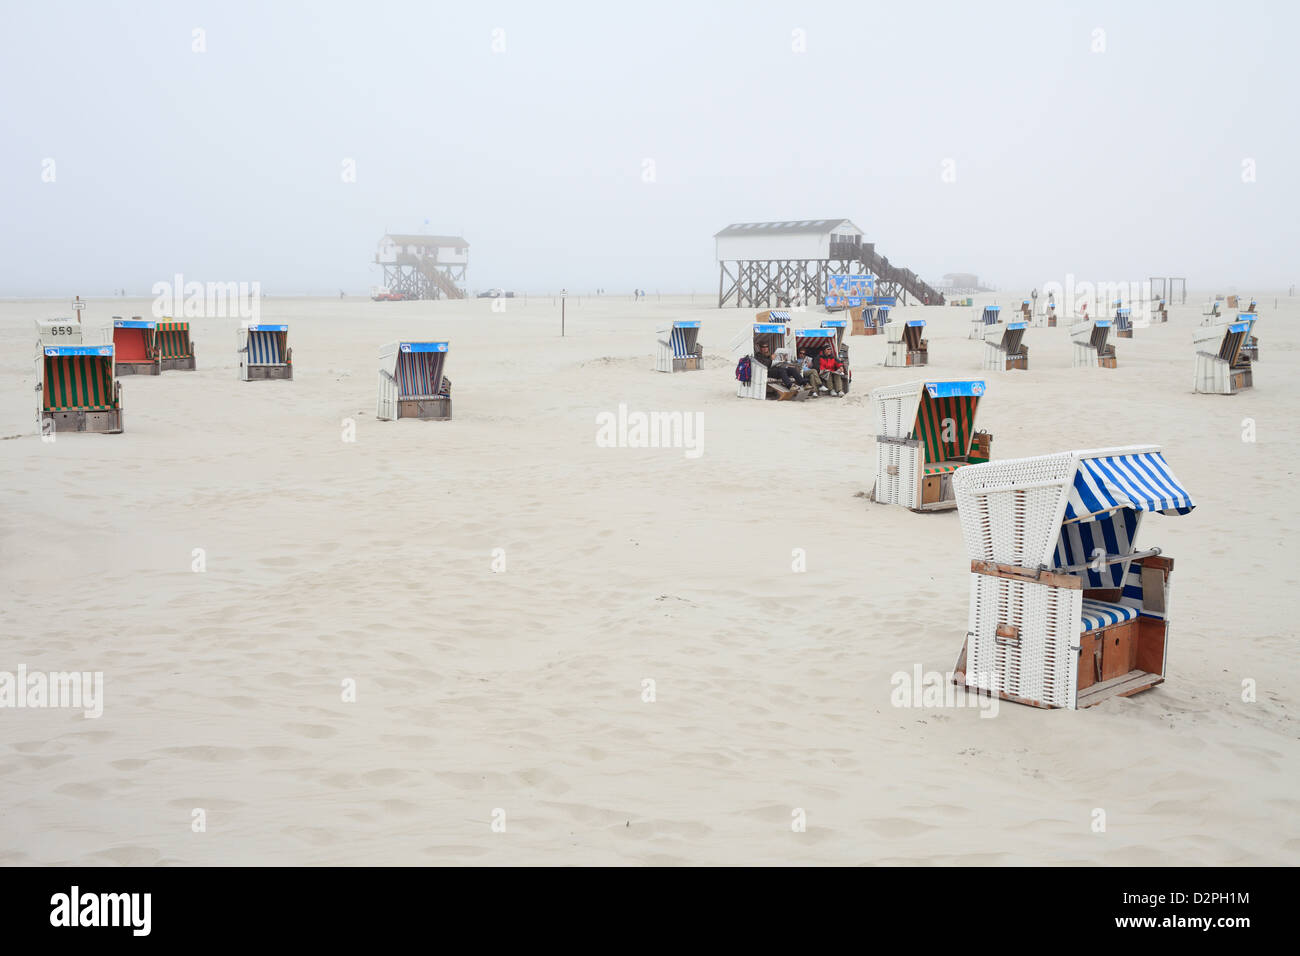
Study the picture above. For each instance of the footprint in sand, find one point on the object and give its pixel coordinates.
(314, 731)
(129, 855)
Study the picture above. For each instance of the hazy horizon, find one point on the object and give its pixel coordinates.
(587, 146)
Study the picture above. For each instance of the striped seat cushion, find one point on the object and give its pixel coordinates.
(943, 467)
(1099, 614)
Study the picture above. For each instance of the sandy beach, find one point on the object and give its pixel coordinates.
(499, 588)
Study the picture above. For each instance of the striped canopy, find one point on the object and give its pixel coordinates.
(814, 340)
(945, 419)
(1123, 319)
(683, 338)
(990, 316)
(267, 345)
(1138, 482)
(1109, 534)
(174, 339)
(419, 373)
(78, 378)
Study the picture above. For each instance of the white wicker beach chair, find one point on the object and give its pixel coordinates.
(264, 353)
(1064, 611)
(905, 344)
(680, 350)
(1004, 347)
(412, 383)
(925, 431)
(1089, 348)
(1223, 366)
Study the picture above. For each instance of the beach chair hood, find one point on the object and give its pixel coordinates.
(1008, 336)
(1068, 507)
(684, 337)
(78, 378)
(416, 367)
(265, 344)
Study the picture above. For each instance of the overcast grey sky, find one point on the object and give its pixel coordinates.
(227, 164)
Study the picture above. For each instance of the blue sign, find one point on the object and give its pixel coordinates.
(686, 325)
(973, 389)
(915, 322)
(424, 346)
(815, 333)
(835, 323)
(1017, 325)
(1239, 327)
(268, 328)
(134, 324)
(769, 329)
(96, 350)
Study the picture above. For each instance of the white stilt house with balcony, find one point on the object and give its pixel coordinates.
(423, 267)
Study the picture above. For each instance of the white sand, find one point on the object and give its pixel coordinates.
(521, 690)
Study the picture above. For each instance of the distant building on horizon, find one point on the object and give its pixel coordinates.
(789, 262)
(423, 267)
(962, 282)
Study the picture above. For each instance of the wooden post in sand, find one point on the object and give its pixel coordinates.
(563, 295)
(77, 306)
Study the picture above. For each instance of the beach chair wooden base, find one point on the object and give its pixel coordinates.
(1124, 333)
(783, 394)
(936, 493)
(136, 368)
(918, 357)
(266, 373)
(1107, 361)
(693, 363)
(1051, 322)
(103, 421)
(1106, 653)
(429, 409)
(185, 364)
(1018, 361)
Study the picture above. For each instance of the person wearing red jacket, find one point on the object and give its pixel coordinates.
(831, 371)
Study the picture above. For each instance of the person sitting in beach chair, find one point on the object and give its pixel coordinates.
(783, 369)
(828, 371)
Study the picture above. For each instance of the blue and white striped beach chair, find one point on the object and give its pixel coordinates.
(1065, 611)
(264, 353)
(412, 383)
(680, 351)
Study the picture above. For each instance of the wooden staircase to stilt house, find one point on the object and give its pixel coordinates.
(441, 280)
